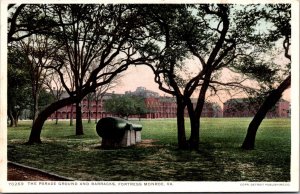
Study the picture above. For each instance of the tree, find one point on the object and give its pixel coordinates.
(25, 20)
(99, 33)
(55, 87)
(89, 98)
(166, 51)
(39, 51)
(45, 99)
(69, 76)
(18, 81)
(125, 105)
(102, 90)
(280, 16)
(216, 35)
(12, 20)
(140, 106)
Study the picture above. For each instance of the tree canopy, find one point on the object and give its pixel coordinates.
(125, 105)
(18, 85)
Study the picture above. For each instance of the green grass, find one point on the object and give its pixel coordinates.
(219, 159)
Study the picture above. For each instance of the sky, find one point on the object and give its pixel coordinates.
(142, 76)
(134, 77)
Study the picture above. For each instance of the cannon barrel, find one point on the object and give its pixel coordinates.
(111, 127)
(114, 128)
(117, 132)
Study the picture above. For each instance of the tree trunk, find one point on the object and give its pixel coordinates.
(89, 110)
(182, 143)
(79, 127)
(16, 119)
(195, 127)
(89, 117)
(195, 133)
(56, 118)
(42, 117)
(71, 116)
(270, 101)
(195, 114)
(11, 118)
(96, 115)
(35, 106)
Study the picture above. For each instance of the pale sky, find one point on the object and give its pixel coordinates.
(134, 77)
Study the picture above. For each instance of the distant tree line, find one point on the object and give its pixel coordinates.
(126, 105)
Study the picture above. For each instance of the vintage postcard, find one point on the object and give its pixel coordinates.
(160, 96)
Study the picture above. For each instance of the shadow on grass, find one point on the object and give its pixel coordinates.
(88, 161)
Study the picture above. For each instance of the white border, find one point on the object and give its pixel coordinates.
(180, 186)
(3, 97)
(295, 97)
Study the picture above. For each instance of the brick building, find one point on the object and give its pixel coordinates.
(88, 107)
(165, 107)
(158, 107)
(243, 107)
(210, 109)
(282, 109)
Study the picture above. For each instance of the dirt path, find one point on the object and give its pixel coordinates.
(22, 173)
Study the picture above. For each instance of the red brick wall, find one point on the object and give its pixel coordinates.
(166, 108)
(248, 110)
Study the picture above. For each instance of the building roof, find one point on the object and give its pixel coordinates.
(142, 91)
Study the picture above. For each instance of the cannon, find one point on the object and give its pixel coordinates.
(117, 132)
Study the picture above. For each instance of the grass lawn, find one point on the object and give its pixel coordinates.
(219, 159)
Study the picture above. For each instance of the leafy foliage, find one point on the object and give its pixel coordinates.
(125, 105)
(18, 81)
(45, 99)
